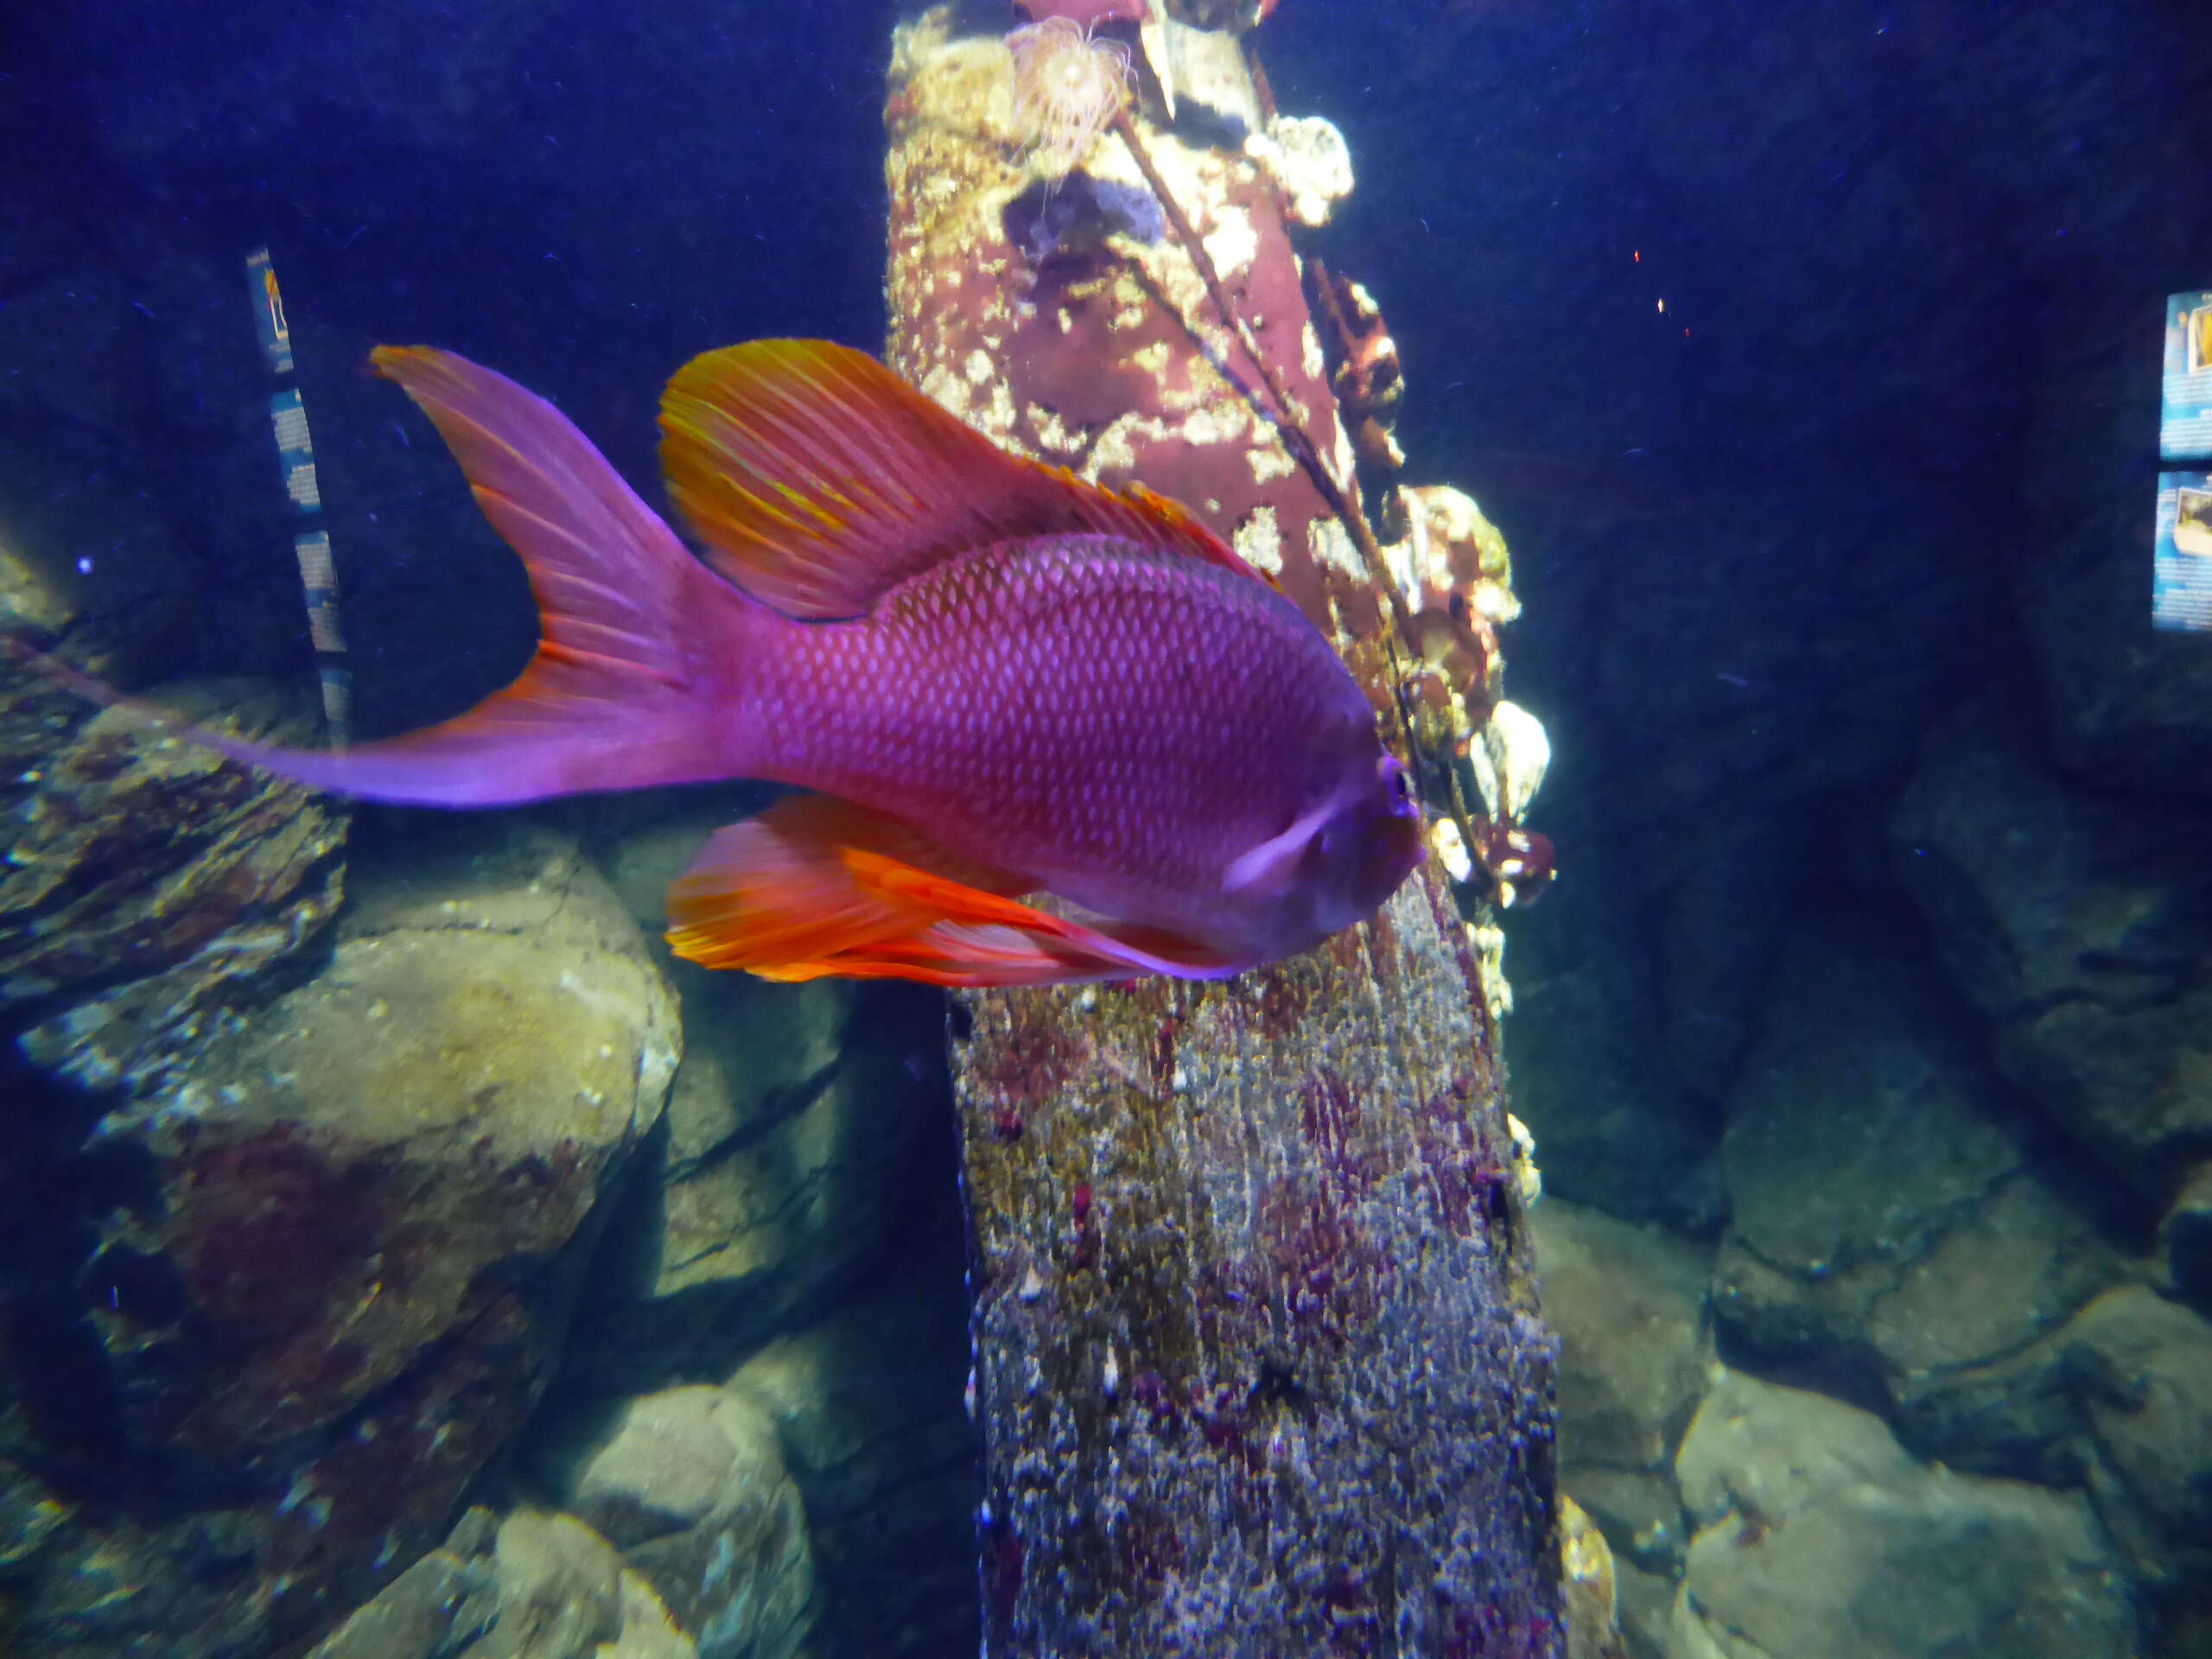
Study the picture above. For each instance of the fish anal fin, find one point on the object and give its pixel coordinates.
(817, 887)
(774, 888)
(818, 481)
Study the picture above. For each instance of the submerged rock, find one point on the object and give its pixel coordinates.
(1593, 1629)
(868, 1403)
(2185, 1237)
(533, 1586)
(787, 1163)
(1617, 1132)
(690, 1484)
(1819, 1537)
(2142, 1368)
(2129, 706)
(1627, 1303)
(153, 890)
(2077, 924)
(345, 1243)
(1894, 1231)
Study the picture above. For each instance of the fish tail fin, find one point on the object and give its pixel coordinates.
(639, 640)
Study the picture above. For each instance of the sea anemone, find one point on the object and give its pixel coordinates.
(1068, 85)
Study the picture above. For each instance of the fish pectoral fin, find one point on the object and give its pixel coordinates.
(1273, 865)
(818, 481)
(817, 887)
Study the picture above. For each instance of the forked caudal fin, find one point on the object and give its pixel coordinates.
(817, 479)
(625, 687)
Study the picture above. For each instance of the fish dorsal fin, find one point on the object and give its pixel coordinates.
(818, 479)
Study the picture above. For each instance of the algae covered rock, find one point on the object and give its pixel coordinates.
(342, 1177)
(1819, 1537)
(153, 890)
(337, 1280)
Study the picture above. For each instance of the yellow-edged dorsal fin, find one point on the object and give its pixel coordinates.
(818, 479)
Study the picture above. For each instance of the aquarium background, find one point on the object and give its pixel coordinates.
(1809, 360)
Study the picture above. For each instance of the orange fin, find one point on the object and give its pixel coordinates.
(817, 887)
(818, 479)
(776, 888)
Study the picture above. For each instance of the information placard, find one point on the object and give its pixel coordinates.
(2185, 415)
(2181, 560)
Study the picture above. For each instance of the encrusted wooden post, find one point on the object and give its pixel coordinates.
(1258, 1370)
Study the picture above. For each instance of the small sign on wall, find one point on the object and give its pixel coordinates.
(2181, 558)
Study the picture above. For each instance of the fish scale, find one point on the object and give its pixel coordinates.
(1019, 674)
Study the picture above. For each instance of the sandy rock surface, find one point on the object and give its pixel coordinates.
(1819, 1536)
(1636, 1348)
(689, 1486)
(1899, 1224)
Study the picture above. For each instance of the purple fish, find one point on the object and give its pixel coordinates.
(1002, 684)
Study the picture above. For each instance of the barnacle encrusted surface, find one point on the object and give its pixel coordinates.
(1105, 354)
(1224, 1232)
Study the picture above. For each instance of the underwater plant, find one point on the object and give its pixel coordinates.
(1068, 86)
